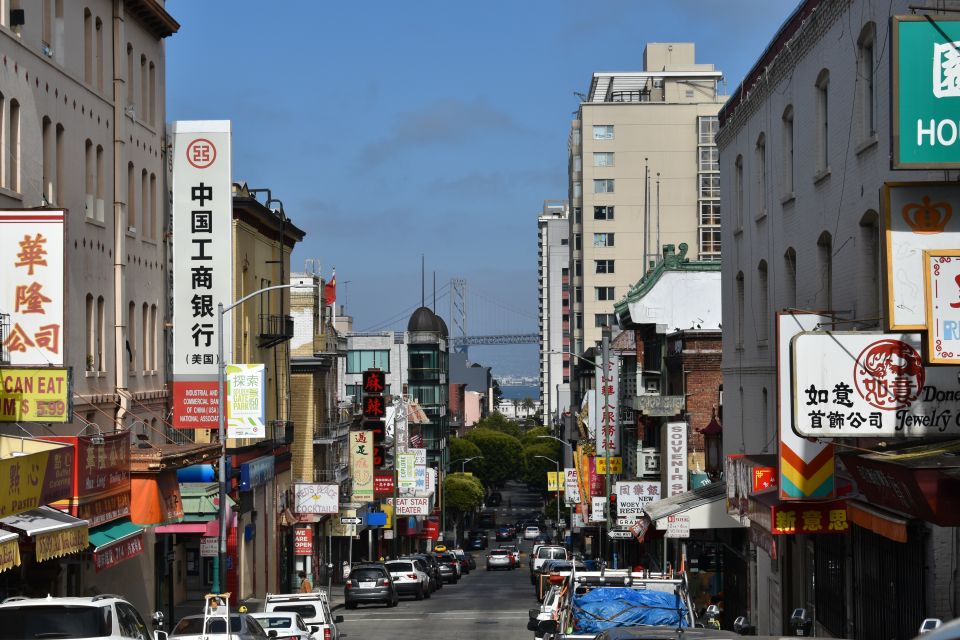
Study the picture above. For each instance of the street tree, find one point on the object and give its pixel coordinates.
(463, 494)
(535, 469)
(502, 456)
(462, 449)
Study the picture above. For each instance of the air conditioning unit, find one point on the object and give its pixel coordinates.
(648, 462)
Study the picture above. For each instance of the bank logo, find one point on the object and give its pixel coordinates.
(927, 217)
(946, 70)
(889, 374)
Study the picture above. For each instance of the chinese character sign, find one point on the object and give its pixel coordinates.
(941, 276)
(361, 465)
(202, 257)
(245, 406)
(869, 385)
(607, 403)
(809, 518)
(633, 496)
(31, 289)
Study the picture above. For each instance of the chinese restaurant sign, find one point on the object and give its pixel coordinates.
(41, 472)
(871, 385)
(202, 275)
(941, 275)
(36, 395)
(114, 554)
(815, 517)
(32, 289)
(926, 92)
(361, 465)
(633, 496)
(101, 478)
(918, 216)
(245, 407)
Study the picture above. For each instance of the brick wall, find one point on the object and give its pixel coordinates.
(303, 407)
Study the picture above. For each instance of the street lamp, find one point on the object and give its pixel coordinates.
(463, 462)
(219, 564)
(557, 497)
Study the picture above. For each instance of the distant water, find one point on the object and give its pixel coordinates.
(520, 392)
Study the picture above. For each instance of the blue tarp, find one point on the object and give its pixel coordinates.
(609, 607)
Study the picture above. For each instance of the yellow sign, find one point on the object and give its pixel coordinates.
(9, 554)
(616, 465)
(554, 481)
(34, 473)
(35, 395)
(388, 509)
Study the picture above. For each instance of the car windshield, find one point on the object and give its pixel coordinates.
(193, 626)
(275, 622)
(399, 567)
(306, 610)
(366, 575)
(500, 552)
(59, 621)
(551, 552)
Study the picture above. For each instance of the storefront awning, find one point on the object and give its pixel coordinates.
(9, 550)
(115, 542)
(54, 533)
(706, 507)
(881, 522)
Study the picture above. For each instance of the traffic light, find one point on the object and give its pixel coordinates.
(375, 411)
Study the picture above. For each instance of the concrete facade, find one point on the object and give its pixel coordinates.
(553, 284)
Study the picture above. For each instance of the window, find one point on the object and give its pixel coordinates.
(604, 293)
(763, 310)
(708, 127)
(604, 320)
(360, 360)
(603, 132)
(709, 242)
(825, 266)
(788, 151)
(760, 158)
(144, 88)
(603, 240)
(869, 289)
(577, 189)
(132, 336)
(709, 159)
(603, 186)
(578, 295)
(129, 77)
(145, 337)
(709, 185)
(577, 215)
(99, 168)
(98, 62)
(101, 337)
(866, 75)
(13, 155)
(90, 176)
(577, 242)
(152, 97)
(790, 278)
(603, 213)
(87, 46)
(577, 164)
(152, 231)
(577, 268)
(738, 320)
(131, 198)
(709, 212)
(58, 165)
(564, 242)
(603, 159)
(154, 341)
(91, 333)
(575, 137)
(47, 153)
(823, 121)
(738, 191)
(145, 202)
(579, 323)
(604, 266)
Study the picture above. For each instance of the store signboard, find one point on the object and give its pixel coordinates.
(303, 541)
(36, 395)
(941, 278)
(677, 526)
(361, 465)
(607, 429)
(554, 479)
(316, 498)
(633, 496)
(598, 509)
(571, 489)
(871, 385)
(675, 458)
(406, 470)
(245, 403)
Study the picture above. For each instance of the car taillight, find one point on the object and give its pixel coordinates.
(349, 584)
(382, 582)
(326, 634)
(412, 576)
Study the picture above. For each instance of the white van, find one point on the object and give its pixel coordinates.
(313, 607)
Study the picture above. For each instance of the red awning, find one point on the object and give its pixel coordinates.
(878, 521)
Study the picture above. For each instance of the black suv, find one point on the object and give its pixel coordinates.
(370, 582)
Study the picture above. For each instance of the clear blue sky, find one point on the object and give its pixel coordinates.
(390, 129)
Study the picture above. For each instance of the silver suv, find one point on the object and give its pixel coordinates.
(104, 616)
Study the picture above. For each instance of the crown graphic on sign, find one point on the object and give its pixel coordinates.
(927, 217)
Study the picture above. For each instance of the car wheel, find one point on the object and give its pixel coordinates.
(395, 602)
(428, 594)
(420, 595)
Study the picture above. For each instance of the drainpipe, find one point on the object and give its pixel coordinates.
(121, 332)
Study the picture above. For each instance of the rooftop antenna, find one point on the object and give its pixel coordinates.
(434, 292)
(422, 282)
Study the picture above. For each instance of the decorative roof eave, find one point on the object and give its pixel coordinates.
(671, 261)
(153, 16)
(156, 458)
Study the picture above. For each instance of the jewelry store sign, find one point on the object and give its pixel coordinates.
(866, 385)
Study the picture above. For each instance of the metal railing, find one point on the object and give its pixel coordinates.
(274, 329)
(280, 430)
(330, 431)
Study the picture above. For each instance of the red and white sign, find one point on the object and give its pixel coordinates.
(412, 506)
(383, 483)
(202, 266)
(678, 526)
(942, 280)
(31, 289)
(209, 546)
(303, 541)
(113, 554)
(870, 385)
(764, 478)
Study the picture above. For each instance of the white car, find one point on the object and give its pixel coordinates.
(289, 626)
(408, 579)
(499, 559)
(313, 607)
(106, 617)
(531, 533)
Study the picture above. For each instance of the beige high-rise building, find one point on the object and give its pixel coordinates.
(643, 173)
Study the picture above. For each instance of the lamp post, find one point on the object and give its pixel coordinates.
(219, 564)
(463, 462)
(443, 510)
(557, 497)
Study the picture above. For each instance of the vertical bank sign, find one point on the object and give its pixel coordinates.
(31, 289)
(202, 274)
(926, 92)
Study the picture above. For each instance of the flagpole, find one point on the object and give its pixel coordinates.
(334, 279)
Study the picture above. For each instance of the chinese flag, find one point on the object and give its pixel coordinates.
(330, 289)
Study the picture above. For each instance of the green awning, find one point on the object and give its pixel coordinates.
(112, 532)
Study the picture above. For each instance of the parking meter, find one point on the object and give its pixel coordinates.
(800, 622)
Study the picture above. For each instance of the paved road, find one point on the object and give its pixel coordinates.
(491, 605)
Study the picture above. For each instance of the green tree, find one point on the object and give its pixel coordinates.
(528, 404)
(463, 493)
(535, 469)
(461, 449)
(499, 422)
(530, 435)
(502, 456)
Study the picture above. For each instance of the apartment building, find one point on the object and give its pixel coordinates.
(553, 285)
(642, 173)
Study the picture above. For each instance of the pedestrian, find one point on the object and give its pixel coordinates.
(305, 585)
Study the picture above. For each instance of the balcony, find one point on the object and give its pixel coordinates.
(274, 329)
(330, 432)
(280, 430)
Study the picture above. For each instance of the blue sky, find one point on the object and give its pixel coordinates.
(391, 130)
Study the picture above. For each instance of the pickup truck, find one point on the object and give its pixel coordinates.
(591, 602)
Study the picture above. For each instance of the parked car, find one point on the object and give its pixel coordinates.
(370, 582)
(313, 608)
(432, 568)
(449, 567)
(544, 553)
(409, 579)
(462, 558)
(104, 616)
(287, 626)
(499, 559)
(531, 532)
(243, 626)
